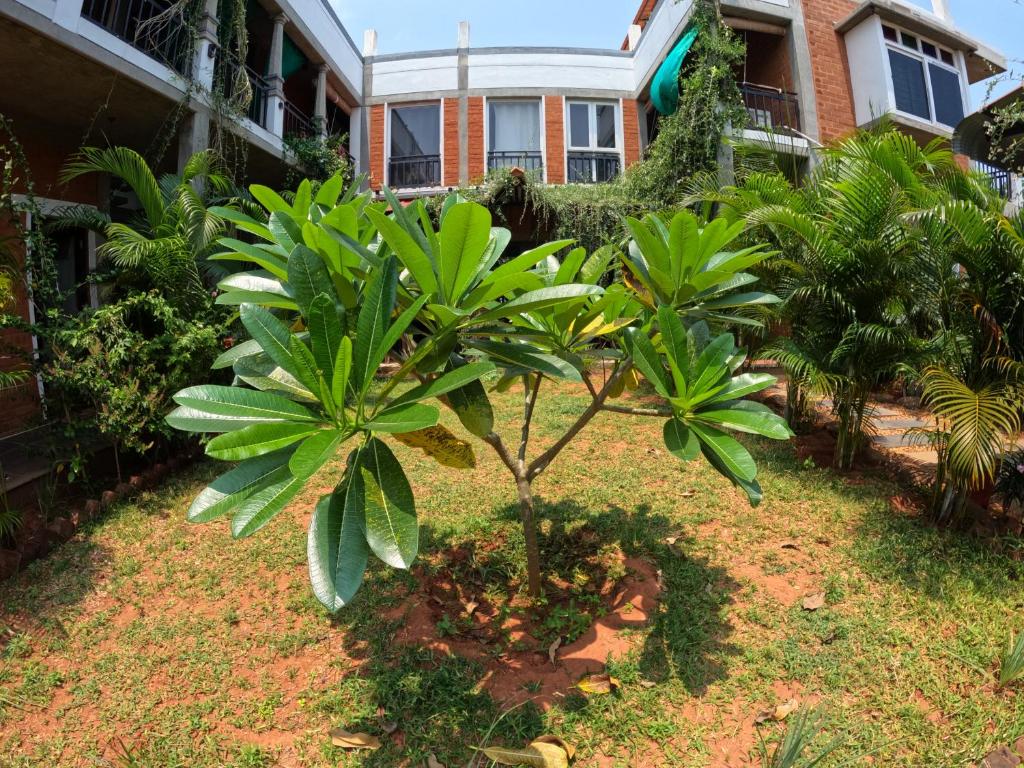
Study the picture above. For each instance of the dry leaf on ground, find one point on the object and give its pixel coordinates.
(602, 683)
(779, 713)
(539, 754)
(553, 649)
(433, 762)
(346, 740)
(814, 602)
(570, 750)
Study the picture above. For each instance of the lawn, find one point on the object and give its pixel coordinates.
(147, 641)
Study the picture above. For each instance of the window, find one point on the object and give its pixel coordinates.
(925, 78)
(908, 85)
(593, 142)
(72, 261)
(415, 159)
(513, 133)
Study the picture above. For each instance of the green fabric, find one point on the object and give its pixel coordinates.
(292, 59)
(665, 85)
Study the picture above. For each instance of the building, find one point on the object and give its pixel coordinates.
(1004, 162)
(137, 73)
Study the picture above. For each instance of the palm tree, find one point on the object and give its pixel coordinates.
(165, 244)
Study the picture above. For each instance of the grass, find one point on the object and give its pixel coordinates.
(147, 641)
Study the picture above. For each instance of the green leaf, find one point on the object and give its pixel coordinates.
(465, 234)
(471, 404)
(646, 359)
(284, 229)
(307, 276)
(728, 450)
(228, 358)
(523, 356)
(395, 331)
(337, 550)
(680, 441)
(271, 334)
(242, 221)
(327, 195)
(325, 333)
(315, 451)
(260, 372)
(404, 418)
(235, 298)
(254, 282)
(538, 299)
(305, 364)
(342, 371)
(737, 387)
(391, 527)
(228, 491)
(260, 508)
(242, 251)
(746, 416)
(257, 440)
(446, 382)
(245, 404)
(407, 250)
(527, 259)
(268, 198)
(373, 323)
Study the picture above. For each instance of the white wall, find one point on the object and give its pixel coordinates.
(660, 34)
(869, 71)
(425, 74)
(561, 71)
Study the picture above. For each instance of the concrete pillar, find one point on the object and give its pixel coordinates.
(193, 136)
(206, 47)
(726, 159)
(941, 9)
(66, 13)
(275, 79)
(463, 34)
(370, 42)
(463, 122)
(635, 31)
(358, 145)
(320, 104)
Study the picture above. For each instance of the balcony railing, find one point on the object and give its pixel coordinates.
(592, 167)
(296, 122)
(148, 25)
(414, 171)
(771, 109)
(528, 161)
(258, 87)
(1000, 179)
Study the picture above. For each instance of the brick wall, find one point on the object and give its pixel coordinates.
(477, 160)
(630, 132)
(377, 146)
(768, 61)
(450, 121)
(554, 130)
(829, 66)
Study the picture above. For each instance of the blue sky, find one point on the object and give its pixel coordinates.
(410, 25)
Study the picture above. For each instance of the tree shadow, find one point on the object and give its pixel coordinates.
(450, 683)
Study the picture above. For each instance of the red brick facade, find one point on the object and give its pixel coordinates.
(829, 67)
(554, 138)
(377, 146)
(450, 141)
(630, 132)
(477, 161)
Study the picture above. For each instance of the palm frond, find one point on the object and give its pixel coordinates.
(127, 165)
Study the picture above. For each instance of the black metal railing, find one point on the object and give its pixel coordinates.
(296, 122)
(260, 98)
(528, 161)
(233, 84)
(770, 108)
(1000, 178)
(592, 167)
(148, 25)
(415, 171)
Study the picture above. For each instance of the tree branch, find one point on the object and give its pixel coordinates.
(663, 412)
(539, 464)
(494, 440)
(531, 402)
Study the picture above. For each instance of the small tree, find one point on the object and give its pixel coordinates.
(342, 285)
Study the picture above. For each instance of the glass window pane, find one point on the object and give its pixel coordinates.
(909, 86)
(909, 40)
(949, 101)
(948, 58)
(889, 32)
(606, 126)
(514, 126)
(579, 125)
(929, 50)
(416, 131)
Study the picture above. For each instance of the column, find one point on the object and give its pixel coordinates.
(320, 104)
(204, 57)
(193, 136)
(275, 79)
(66, 13)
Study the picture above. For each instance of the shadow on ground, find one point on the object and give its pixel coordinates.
(438, 699)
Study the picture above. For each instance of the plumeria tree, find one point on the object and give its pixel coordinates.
(340, 282)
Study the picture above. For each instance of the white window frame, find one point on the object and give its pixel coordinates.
(592, 105)
(539, 101)
(959, 69)
(391, 106)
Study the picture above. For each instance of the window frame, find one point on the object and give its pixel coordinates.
(925, 62)
(592, 105)
(389, 108)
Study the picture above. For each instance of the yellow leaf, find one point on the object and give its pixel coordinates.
(814, 602)
(570, 750)
(540, 754)
(779, 713)
(440, 444)
(346, 740)
(600, 684)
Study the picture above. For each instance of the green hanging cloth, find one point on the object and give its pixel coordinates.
(665, 85)
(292, 59)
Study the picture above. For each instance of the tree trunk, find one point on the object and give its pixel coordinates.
(530, 534)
